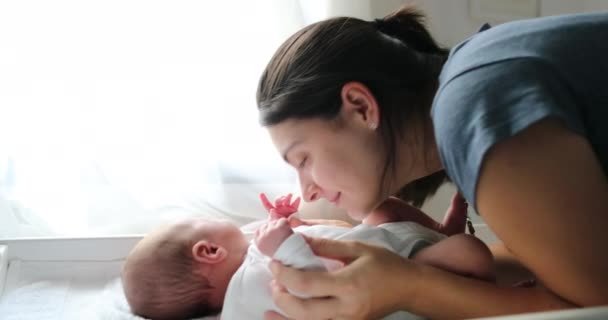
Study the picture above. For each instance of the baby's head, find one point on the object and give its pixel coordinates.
(182, 270)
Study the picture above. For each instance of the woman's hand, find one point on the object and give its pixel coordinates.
(361, 290)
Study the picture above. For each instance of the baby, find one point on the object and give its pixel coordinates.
(199, 267)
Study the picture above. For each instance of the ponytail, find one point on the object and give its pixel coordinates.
(407, 25)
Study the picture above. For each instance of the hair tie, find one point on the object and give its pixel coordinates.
(379, 23)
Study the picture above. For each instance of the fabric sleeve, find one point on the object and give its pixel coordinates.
(295, 252)
(477, 109)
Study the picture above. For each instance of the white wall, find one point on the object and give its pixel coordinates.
(315, 10)
(451, 22)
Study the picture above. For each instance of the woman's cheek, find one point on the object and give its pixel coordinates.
(324, 177)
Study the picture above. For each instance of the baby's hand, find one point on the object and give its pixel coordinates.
(270, 235)
(282, 208)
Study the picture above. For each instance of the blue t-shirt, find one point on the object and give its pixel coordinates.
(504, 79)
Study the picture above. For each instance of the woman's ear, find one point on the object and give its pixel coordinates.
(360, 105)
(208, 252)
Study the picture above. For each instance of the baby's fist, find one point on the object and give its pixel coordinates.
(283, 206)
(269, 236)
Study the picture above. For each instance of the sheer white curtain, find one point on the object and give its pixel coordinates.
(118, 115)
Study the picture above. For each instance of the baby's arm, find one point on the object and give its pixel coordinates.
(270, 236)
(277, 240)
(396, 210)
(462, 254)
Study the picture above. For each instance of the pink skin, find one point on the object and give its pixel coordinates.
(277, 229)
(394, 209)
(269, 236)
(282, 208)
(455, 218)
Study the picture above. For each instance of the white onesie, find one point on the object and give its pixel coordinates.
(248, 295)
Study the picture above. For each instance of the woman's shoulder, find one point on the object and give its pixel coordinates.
(490, 104)
(506, 78)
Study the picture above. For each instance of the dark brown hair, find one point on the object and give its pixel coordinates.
(164, 284)
(395, 57)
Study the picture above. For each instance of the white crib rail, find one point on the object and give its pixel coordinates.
(3, 266)
(596, 313)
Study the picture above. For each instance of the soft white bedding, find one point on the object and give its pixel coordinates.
(59, 300)
(54, 300)
(79, 279)
(115, 305)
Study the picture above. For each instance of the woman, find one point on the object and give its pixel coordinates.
(515, 117)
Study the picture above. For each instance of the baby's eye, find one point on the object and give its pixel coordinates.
(302, 163)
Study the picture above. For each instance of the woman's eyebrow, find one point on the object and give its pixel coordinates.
(291, 146)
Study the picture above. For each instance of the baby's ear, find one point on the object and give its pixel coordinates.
(208, 252)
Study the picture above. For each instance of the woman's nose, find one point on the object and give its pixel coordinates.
(310, 191)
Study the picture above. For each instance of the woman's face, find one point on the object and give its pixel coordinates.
(341, 161)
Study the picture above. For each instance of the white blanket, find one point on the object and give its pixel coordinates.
(114, 305)
(54, 300)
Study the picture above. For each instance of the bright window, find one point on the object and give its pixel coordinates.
(116, 115)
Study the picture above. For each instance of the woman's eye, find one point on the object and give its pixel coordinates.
(302, 163)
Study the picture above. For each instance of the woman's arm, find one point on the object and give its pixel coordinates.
(509, 271)
(544, 193)
(377, 282)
